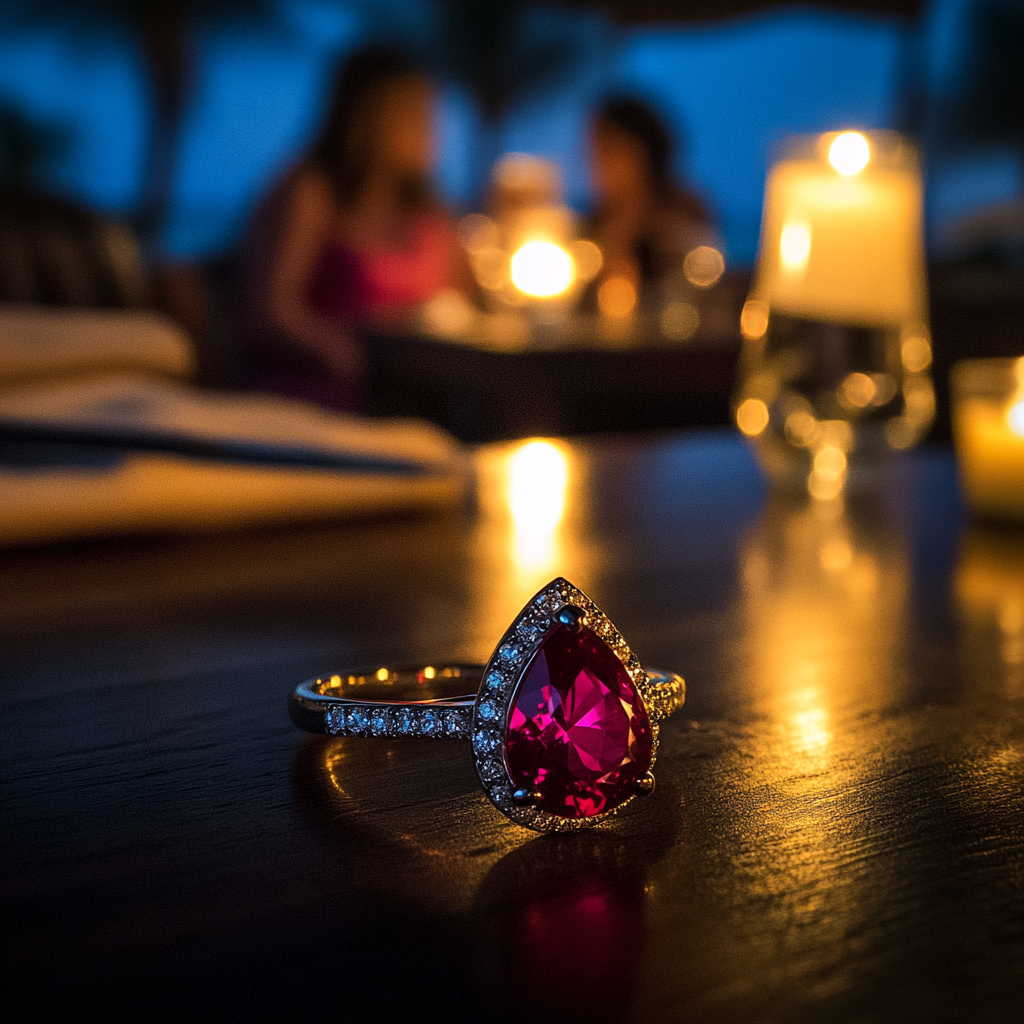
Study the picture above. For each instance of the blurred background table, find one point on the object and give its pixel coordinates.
(504, 376)
(836, 832)
(485, 394)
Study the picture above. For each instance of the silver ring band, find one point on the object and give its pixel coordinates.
(376, 701)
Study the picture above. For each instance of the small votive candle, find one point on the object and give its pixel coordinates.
(988, 427)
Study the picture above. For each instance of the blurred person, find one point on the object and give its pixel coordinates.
(643, 222)
(352, 234)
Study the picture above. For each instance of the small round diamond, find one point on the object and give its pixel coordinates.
(451, 724)
(485, 742)
(335, 719)
(380, 724)
(431, 724)
(530, 633)
(510, 653)
(487, 712)
(405, 722)
(356, 721)
(492, 769)
(496, 683)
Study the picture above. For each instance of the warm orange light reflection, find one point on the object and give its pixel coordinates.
(916, 353)
(989, 588)
(679, 321)
(538, 477)
(527, 532)
(821, 611)
(703, 266)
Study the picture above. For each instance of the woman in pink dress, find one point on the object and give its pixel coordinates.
(351, 235)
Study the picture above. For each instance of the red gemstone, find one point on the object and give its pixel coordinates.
(579, 733)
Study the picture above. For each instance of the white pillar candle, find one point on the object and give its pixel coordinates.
(842, 239)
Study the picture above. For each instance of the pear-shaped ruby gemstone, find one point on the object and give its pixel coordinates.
(579, 734)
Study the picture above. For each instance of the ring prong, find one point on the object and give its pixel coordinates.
(644, 786)
(526, 797)
(570, 615)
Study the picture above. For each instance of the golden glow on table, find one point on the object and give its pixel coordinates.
(820, 605)
(537, 480)
(527, 531)
(542, 269)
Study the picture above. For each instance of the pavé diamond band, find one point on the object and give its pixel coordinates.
(564, 721)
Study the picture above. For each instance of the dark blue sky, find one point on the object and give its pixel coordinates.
(731, 88)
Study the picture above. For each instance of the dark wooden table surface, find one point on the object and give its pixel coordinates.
(836, 834)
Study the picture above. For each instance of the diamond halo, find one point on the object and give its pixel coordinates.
(497, 694)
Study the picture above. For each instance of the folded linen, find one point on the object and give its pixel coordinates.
(133, 454)
(44, 342)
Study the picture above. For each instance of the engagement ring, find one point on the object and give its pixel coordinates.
(563, 723)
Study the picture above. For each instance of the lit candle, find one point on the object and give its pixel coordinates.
(842, 237)
(988, 424)
(835, 365)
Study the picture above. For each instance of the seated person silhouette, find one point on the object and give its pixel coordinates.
(351, 234)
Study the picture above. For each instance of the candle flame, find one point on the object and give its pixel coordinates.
(849, 153)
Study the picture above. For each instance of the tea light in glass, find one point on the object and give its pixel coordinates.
(988, 427)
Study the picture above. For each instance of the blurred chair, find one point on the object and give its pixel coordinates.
(54, 252)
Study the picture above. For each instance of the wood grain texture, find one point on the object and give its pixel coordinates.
(836, 833)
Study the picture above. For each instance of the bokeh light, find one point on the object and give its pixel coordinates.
(542, 269)
(752, 416)
(703, 266)
(616, 298)
(754, 319)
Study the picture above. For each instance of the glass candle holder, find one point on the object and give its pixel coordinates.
(988, 428)
(834, 374)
